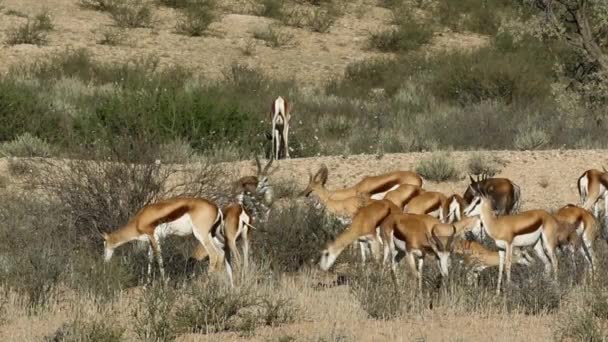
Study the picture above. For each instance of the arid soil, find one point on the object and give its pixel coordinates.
(310, 58)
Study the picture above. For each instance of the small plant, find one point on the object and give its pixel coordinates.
(543, 182)
(249, 48)
(196, 17)
(131, 13)
(271, 8)
(322, 18)
(91, 331)
(26, 145)
(43, 21)
(16, 13)
(112, 36)
(409, 35)
(213, 307)
(273, 37)
(175, 3)
(438, 168)
(531, 138)
(153, 316)
(377, 293)
(98, 5)
(481, 164)
(276, 310)
(28, 33)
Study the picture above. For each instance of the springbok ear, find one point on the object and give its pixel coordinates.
(322, 175)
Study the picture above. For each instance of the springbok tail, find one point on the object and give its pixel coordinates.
(583, 188)
(279, 106)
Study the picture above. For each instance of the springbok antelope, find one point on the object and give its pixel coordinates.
(478, 257)
(592, 186)
(535, 228)
(374, 186)
(428, 202)
(578, 230)
(504, 193)
(403, 194)
(409, 233)
(280, 114)
(256, 187)
(363, 228)
(237, 223)
(454, 207)
(181, 216)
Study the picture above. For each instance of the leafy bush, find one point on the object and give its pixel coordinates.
(482, 164)
(31, 32)
(213, 307)
(26, 145)
(112, 37)
(131, 13)
(196, 16)
(273, 36)
(153, 317)
(293, 237)
(438, 168)
(409, 35)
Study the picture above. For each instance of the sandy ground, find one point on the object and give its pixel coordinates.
(310, 58)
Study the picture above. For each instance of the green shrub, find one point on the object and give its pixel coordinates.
(481, 164)
(98, 5)
(276, 310)
(26, 145)
(273, 37)
(271, 8)
(409, 35)
(213, 307)
(322, 18)
(377, 293)
(530, 138)
(88, 331)
(29, 33)
(112, 37)
(196, 17)
(131, 13)
(438, 168)
(293, 238)
(153, 317)
(472, 15)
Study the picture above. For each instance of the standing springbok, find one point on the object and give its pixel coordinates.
(237, 223)
(535, 228)
(578, 230)
(255, 188)
(375, 187)
(429, 202)
(504, 193)
(415, 235)
(363, 227)
(181, 216)
(592, 186)
(280, 115)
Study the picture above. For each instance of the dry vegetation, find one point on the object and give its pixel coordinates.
(110, 87)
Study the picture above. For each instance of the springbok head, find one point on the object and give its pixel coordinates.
(316, 182)
(441, 249)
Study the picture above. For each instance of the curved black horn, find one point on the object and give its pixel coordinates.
(268, 165)
(258, 165)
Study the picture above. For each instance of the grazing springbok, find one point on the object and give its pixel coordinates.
(364, 227)
(236, 227)
(504, 193)
(592, 185)
(181, 216)
(578, 229)
(535, 228)
(375, 187)
(403, 194)
(280, 114)
(415, 235)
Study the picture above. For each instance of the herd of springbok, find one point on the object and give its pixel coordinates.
(389, 216)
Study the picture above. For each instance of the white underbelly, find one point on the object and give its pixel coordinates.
(180, 227)
(527, 239)
(381, 195)
(400, 244)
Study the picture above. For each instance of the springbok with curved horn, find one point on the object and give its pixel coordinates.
(257, 186)
(535, 228)
(415, 235)
(505, 194)
(237, 223)
(280, 115)
(373, 186)
(592, 186)
(181, 216)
